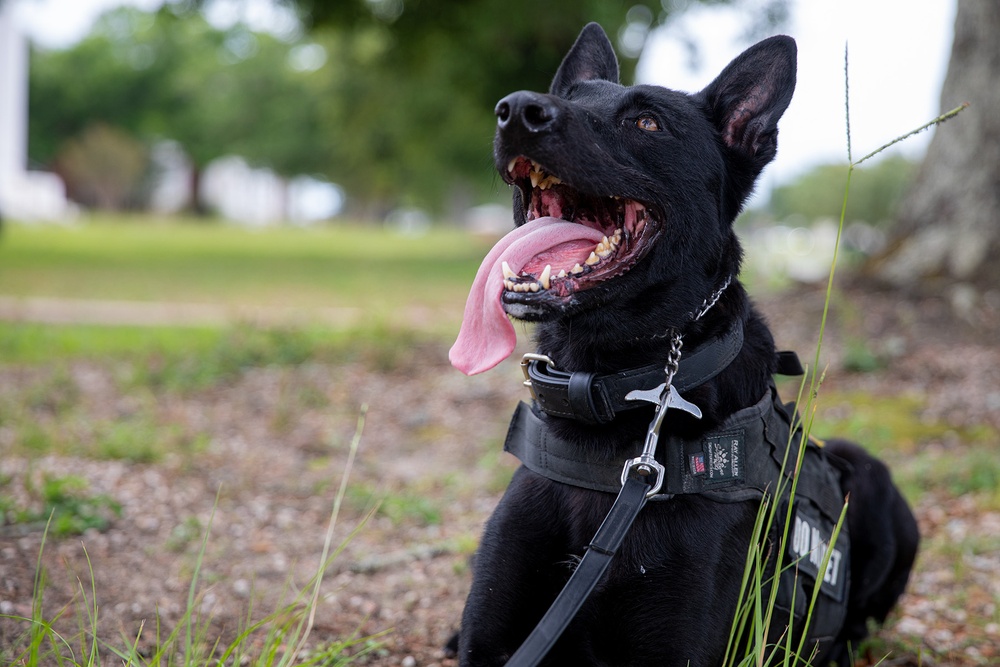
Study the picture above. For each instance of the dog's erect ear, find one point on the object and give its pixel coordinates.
(750, 95)
(592, 57)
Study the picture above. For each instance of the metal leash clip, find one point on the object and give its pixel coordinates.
(664, 397)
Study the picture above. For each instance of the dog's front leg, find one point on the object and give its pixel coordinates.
(521, 565)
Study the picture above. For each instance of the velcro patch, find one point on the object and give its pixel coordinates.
(809, 544)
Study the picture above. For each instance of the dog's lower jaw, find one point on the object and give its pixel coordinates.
(527, 312)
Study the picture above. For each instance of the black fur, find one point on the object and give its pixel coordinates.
(669, 596)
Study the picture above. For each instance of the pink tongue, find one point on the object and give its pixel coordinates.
(487, 336)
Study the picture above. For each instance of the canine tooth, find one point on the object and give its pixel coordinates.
(511, 165)
(593, 259)
(507, 272)
(577, 269)
(545, 279)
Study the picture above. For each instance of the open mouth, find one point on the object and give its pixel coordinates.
(624, 227)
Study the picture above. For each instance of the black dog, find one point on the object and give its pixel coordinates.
(624, 200)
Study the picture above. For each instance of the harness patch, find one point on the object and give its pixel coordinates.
(810, 541)
(722, 457)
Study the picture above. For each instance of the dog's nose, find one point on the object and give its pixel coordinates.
(533, 111)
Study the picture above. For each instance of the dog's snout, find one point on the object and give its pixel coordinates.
(531, 111)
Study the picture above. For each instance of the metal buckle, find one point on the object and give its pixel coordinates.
(645, 465)
(527, 359)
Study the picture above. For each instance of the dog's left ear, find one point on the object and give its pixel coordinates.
(592, 57)
(748, 98)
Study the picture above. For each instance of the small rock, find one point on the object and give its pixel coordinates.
(241, 587)
(409, 661)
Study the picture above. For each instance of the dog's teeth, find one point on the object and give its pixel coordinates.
(507, 272)
(593, 259)
(534, 287)
(511, 165)
(604, 252)
(536, 178)
(509, 285)
(545, 279)
(577, 269)
(562, 273)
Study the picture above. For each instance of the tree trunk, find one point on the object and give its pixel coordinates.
(197, 206)
(948, 227)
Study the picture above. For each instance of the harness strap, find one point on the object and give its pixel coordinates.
(734, 461)
(595, 561)
(597, 398)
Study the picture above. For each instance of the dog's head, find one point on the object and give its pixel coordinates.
(624, 197)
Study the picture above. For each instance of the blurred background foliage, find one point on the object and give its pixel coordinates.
(391, 102)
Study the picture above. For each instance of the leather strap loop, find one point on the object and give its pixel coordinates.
(581, 400)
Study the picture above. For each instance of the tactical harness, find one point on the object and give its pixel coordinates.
(743, 459)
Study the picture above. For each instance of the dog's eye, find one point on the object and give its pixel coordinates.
(647, 123)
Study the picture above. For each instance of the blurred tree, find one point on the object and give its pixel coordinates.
(412, 105)
(874, 197)
(103, 166)
(170, 75)
(948, 226)
(398, 110)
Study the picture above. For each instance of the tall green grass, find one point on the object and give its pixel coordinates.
(757, 618)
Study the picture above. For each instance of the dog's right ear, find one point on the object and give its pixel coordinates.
(750, 95)
(592, 57)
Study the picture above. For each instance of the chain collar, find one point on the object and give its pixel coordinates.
(677, 339)
(694, 315)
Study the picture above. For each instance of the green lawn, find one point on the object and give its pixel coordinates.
(148, 259)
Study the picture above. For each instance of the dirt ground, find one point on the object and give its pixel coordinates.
(275, 443)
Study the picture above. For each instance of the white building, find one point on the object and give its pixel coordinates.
(24, 194)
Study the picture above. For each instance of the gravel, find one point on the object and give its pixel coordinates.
(264, 479)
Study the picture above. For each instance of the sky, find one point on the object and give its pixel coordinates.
(898, 54)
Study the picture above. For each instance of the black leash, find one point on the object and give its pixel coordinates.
(641, 478)
(595, 561)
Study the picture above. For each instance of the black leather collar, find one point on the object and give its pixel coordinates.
(596, 399)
